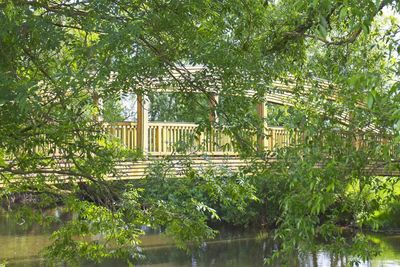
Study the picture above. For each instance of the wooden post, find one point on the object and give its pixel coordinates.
(213, 117)
(261, 134)
(213, 102)
(143, 106)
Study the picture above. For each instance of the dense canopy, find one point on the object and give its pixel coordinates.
(58, 59)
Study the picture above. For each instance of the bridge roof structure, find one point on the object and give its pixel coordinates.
(285, 92)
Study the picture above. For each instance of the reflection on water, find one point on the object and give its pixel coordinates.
(21, 247)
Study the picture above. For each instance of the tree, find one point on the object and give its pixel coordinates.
(59, 57)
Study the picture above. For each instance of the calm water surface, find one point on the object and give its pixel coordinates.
(21, 247)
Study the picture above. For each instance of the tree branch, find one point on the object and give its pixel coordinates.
(348, 39)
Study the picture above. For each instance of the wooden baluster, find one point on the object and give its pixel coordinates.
(215, 138)
(284, 137)
(280, 138)
(160, 141)
(128, 135)
(161, 138)
(172, 138)
(177, 140)
(166, 145)
(276, 136)
(177, 134)
(204, 141)
(212, 139)
(268, 133)
(133, 145)
(200, 137)
(158, 138)
(134, 133)
(166, 134)
(124, 141)
(169, 138)
(261, 133)
(142, 123)
(273, 140)
(154, 138)
(186, 137)
(135, 137)
(209, 141)
(150, 139)
(218, 140)
(163, 143)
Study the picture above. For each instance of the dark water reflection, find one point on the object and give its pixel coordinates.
(21, 247)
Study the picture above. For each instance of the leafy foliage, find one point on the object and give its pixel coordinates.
(58, 59)
(185, 205)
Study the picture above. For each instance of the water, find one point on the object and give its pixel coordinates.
(21, 247)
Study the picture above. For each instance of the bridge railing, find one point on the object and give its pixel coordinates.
(126, 132)
(164, 138)
(277, 137)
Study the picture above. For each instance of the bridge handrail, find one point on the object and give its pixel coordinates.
(165, 138)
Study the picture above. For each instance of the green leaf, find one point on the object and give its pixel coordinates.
(343, 13)
(370, 100)
(322, 31)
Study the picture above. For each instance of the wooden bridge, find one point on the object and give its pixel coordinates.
(206, 148)
(211, 147)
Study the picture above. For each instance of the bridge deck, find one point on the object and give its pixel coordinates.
(138, 170)
(177, 166)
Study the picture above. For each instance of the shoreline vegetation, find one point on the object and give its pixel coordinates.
(386, 218)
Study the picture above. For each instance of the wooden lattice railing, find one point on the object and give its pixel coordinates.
(167, 137)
